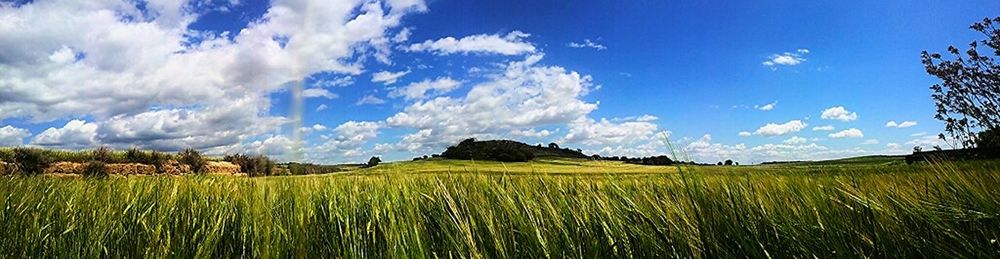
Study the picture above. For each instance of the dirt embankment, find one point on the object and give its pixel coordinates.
(171, 167)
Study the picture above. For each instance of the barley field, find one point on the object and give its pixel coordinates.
(547, 208)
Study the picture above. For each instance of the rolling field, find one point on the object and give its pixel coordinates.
(551, 208)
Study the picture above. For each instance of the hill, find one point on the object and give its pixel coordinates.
(861, 160)
(506, 151)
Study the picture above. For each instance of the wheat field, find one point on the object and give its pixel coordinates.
(495, 210)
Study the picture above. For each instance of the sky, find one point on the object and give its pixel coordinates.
(751, 82)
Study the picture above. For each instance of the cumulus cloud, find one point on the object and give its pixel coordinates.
(647, 117)
(531, 133)
(904, 124)
(848, 133)
(75, 134)
(786, 59)
(745, 134)
(369, 99)
(419, 90)
(773, 129)
(511, 44)
(318, 92)
(524, 95)
(839, 113)
(794, 140)
(823, 128)
(704, 150)
(766, 107)
(120, 66)
(604, 132)
(587, 43)
(12, 136)
(388, 78)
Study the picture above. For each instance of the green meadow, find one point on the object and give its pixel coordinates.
(545, 208)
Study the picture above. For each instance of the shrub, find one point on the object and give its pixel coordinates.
(372, 162)
(96, 169)
(258, 165)
(30, 161)
(193, 159)
(102, 154)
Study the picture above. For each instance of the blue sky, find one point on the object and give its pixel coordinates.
(746, 81)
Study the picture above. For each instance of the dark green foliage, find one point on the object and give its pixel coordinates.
(372, 162)
(193, 159)
(258, 165)
(968, 96)
(652, 160)
(30, 161)
(95, 169)
(728, 162)
(506, 151)
(103, 154)
(295, 168)
(989, 139)
(493, 150)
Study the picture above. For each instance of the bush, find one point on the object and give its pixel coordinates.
(258, 165)
(30, 161)
(193, 159)
(102, 154)
(96, 169)
(495, 150)
(156, 159)
(372, 162)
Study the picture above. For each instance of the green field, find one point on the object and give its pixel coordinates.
(546, 208)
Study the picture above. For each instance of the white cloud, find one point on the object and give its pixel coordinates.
(318, 92)
(75, 134)
(839, 113)
(388, 78)
(647, 117)
(511, 44)
(823, 128)
(848, 133)
(773, 129)
(591, 132)
(11, 136)
(335, 82)
(786, 59)
(419, 90)
(870, 142)
(369, 99)
(745, 134)
(766, 107)
(321, 107)
(904, 124)
(531, 133)
(794, 140)
(524, 95)
(927, 142)
(587, 43)
(118, 65)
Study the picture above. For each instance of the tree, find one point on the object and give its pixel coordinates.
(553, 145)
(968, 95)
(729, 162)
(719, 163)
(372, 162)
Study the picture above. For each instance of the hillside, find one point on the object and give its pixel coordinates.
(506, 151)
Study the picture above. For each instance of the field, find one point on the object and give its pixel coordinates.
(550, 208)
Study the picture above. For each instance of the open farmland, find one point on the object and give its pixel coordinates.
(450, 208)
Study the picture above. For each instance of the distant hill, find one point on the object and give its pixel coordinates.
(506, 151)
(861, 160)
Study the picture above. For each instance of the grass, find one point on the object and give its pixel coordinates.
(550, 208)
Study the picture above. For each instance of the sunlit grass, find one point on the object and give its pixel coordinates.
(541, 209)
